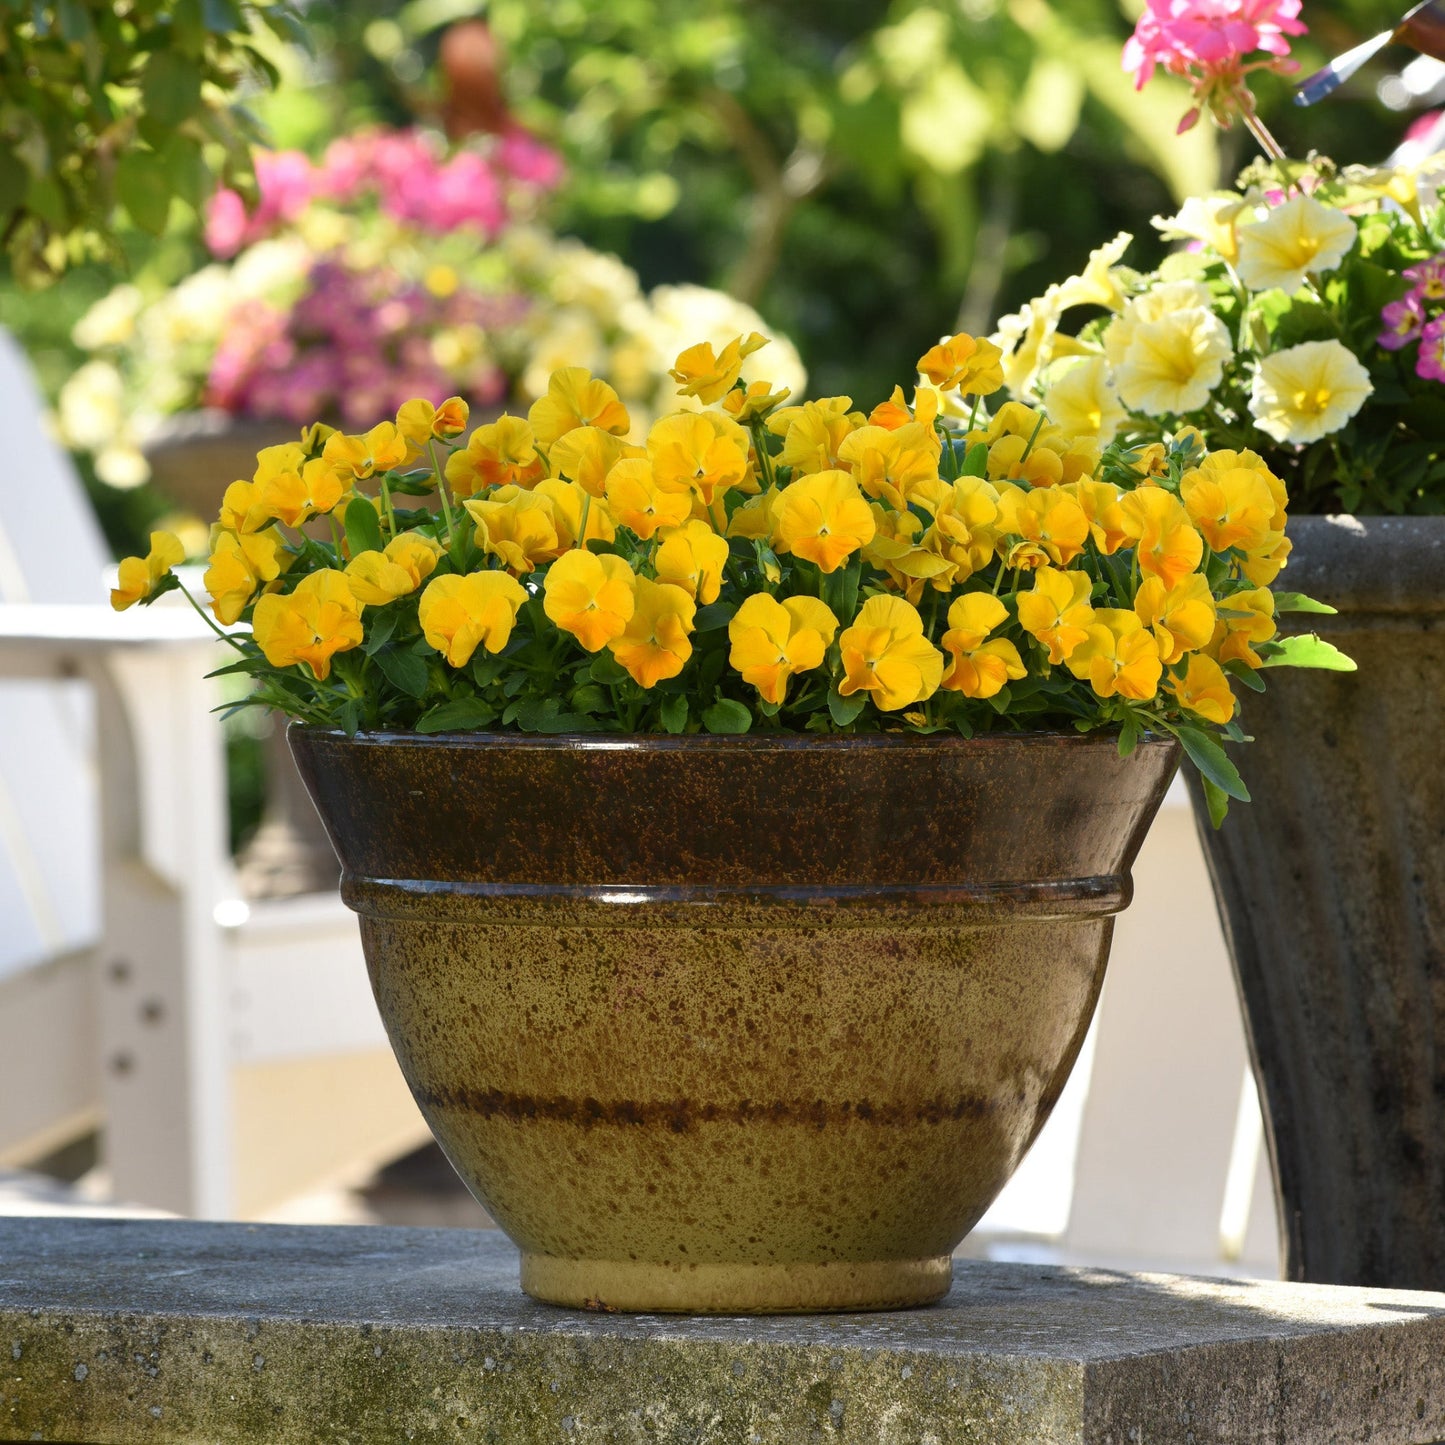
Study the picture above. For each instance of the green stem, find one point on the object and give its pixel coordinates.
(209, 620)
(442, 492)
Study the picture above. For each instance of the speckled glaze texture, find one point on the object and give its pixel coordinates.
(735, 1024)
(1332, 889)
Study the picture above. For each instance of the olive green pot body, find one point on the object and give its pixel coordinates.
(735, 1024)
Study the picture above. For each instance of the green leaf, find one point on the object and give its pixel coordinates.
(673, 714)
(186, 167)
(727, 716)
(975, 461)
(1298, 602)
(221, 17)
(1212, 761)
(607, 670)
(1128, 736)
(363, 528)
(713, 616)
(405, 671)
(1218, 802)
(144, 189)
(171, 87)
(13, 181)
(459, 715)
(383, 623)
(1245, 673)
(845, 710)
(1307, 651)
(589, 699)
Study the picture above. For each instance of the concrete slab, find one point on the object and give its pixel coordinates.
(119, 1331)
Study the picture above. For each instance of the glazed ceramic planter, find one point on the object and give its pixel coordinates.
(1331, 885)
(735, 1024)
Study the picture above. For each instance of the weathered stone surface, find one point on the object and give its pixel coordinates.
(157, 1331)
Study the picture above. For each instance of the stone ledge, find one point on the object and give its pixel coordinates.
(119, 1331)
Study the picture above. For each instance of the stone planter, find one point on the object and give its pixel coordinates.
(1331, 886)
(735, 1024)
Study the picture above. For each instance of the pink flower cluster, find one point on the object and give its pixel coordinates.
(406, 172)
(1207, 41)
(1419, 315)
(354, 347)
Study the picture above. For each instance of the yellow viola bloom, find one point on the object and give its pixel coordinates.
(1101, 503)
(891, 464)
(419, 421)
(636, 501)
(361, 457)
(823, 518)
(909, 555)
(699, 452)
(1265, 566)
(772, 641)
(137, 576)
(586, 454)
(502, 453)
(1230, 501)
(1181, 618)
(310, 625)
(813, 433)
(377, 578)
(1051, 524)
(297, 494)
(966, 364)
(707, 375)
(1173, 364)
(572, 509)
(886, 655)
(1082, 401)
(458, 614)
(576, 398)
(1308, 391)
(1204, 689)
(1057, 611)
(979, 668)
(654, 645)
(518, 526)
(1119, 656)
(754, 403)
(313, 438)
(965, 527)
(243, 509)
(1235, 636)
(1167, 545)
(590, 596)
(692, 557)
(1298, 238)
(895, 412)
(1013, 459)
(241, 564)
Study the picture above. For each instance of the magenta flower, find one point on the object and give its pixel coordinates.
(1402, 320)
(1429, 278)
(1430, 363)
(526, 159)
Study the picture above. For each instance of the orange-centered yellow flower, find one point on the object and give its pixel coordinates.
(1051, 525)
(459, 614)
(501, 454)
(242, 508)
(518, 526)
(772, 640)
(381, 449)
(241, 564)
(754, 403)
(702, 373)
(979, 668)
(963, 363)
(1181, 618)
(813, 433)
(576, 398)
(1119, 656)
(891, 465)
(886, 655)
(692, 557)
(654, 645)
(419, 421)
(824, 518)
(377, 578)
(312, 624)
(1057, 611)
(636, 500)
(138, 576)
(585, 455)
(699, 452)
(590, 596)
(1230, 501)
(295, 495)
(1204, 689)
(1247, 618)
(1167, 545)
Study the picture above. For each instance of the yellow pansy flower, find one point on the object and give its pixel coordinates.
(1181, 618)
(137, 576)
(813, 433)
(1057, 612)
(965, 526)
(460, 613)
(886, 655)
(824, 518)
(754, 403)
(586, 454)
(699, 452)
(1204, 689)
(296, 494)
(1119, 656)
(636, 500)
(772, 640)
(419, 421)
(1101, 504)
(895, 412)
(910, 556)
(1299, 237)
(654, 645)
(1173, 364)
(1166, 543)
(241, 564)
(379, 450)
(571, 504)
(576, 398)
(518, 526)
(1230, 501)
(243, 509)
(1235, 636)
(966, 364)
(1308, 391)
(310, 625)
(891, 464)
(502, 453)
(692, 557)
(590, 596)
(979, 668)
(1051, 526)
(1265, 566)
(377, 578)
(1014, 459)
(707, 375)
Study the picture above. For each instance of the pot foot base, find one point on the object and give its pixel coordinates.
(735, 1289)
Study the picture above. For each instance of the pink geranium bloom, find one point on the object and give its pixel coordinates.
(1430, 363)
(1402, 321)
(526, 159)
